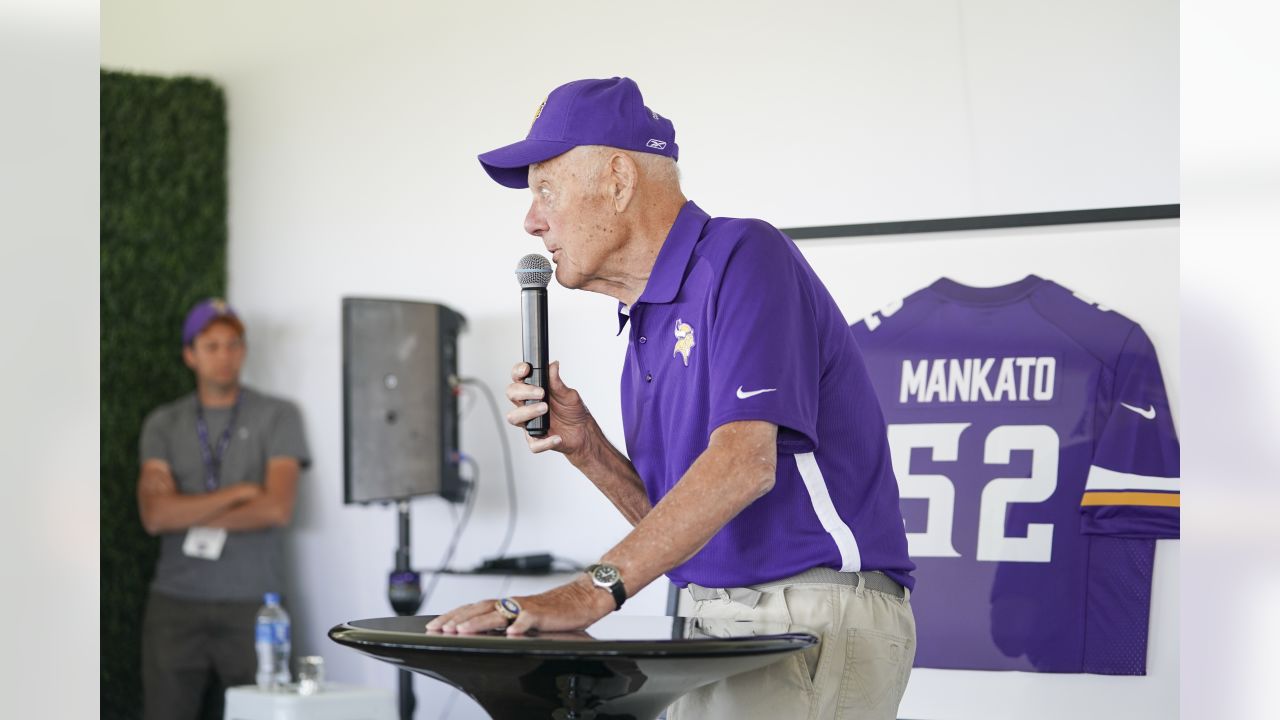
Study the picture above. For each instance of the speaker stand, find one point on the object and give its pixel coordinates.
(404, 590)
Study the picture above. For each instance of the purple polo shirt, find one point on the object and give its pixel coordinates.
(734, 325)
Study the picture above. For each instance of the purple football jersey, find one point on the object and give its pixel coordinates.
(734, 325)
(1037, 462)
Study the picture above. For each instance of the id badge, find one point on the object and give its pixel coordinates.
(204, 543)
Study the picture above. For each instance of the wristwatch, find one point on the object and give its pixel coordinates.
(607, 577)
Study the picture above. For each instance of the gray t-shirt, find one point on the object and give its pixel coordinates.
(252, 562)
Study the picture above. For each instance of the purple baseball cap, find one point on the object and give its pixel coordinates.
(205, 312)
(584, 112)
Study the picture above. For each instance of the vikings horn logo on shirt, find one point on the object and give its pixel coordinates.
(684, 340)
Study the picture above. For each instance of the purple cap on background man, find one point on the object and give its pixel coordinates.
(584, 112)
(204, 313)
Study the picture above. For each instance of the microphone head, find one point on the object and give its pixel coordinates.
(533, 271)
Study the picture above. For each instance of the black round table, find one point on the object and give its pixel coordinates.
(621, 667)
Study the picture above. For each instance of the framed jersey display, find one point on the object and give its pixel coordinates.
(1037, 462)
(1030, 380)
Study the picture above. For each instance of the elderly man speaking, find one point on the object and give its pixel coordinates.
(757, 470)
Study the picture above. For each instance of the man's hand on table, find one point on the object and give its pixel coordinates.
(574, 606)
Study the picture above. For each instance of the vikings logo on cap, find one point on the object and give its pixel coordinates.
(537, 113)
(684, 340)
(219, 306)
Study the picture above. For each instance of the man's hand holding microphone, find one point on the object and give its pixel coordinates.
(572, 426)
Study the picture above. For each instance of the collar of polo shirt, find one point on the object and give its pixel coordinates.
(672, 261)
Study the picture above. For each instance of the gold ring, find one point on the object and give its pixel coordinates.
(507, 608)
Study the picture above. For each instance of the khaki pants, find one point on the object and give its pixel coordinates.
(859, 669)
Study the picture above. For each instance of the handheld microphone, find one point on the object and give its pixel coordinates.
(534, 272)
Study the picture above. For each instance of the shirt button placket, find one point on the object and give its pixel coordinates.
(641, 339)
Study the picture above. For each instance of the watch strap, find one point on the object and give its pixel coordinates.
(619, 593)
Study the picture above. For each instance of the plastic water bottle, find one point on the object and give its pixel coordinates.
(271, 640)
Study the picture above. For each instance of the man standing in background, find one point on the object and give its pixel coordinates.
(219, 475)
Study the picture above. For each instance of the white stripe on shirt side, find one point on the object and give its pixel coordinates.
(850, 556)
(1104, 479)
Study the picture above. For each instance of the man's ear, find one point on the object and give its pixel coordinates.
(189, 357)
(623, 176)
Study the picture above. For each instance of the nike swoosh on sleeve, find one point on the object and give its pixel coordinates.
(752, 393)
(1148, 412)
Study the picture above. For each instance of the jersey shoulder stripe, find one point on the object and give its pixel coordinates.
(1146, 499)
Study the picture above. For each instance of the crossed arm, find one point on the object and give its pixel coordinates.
(240, 506)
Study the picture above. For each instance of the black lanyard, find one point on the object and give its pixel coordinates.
(213, 459)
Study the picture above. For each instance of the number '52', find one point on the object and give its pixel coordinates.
(944, 440)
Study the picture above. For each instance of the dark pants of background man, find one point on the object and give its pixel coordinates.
(188, 643)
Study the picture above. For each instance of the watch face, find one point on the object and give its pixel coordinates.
(605, 574)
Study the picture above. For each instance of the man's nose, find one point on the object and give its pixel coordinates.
(534, 223)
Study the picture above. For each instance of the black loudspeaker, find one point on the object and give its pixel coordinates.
(400, 414)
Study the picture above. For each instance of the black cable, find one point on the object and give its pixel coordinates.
(465, 406)
(457, 529)
(506, 459)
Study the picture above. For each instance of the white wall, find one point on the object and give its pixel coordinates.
(353, 133)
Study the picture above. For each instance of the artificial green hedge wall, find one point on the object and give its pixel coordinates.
(163, 247)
